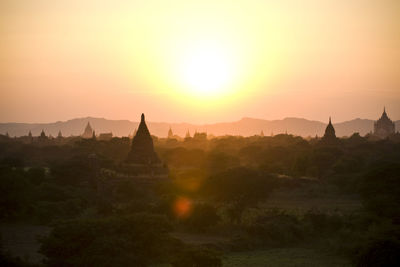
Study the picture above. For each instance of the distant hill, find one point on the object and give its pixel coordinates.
(245, 127)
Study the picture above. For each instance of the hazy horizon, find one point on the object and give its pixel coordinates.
(211, 122)
(242, 127)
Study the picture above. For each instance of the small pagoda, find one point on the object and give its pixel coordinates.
(384, 127)
(88, 133)
(329, 137)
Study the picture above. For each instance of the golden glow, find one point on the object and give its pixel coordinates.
(206, 69)
(197, 61)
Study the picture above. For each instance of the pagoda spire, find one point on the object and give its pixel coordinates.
(330, 135)
(88, 133)
(384, 127)
(187, 134)
(170, 133)
(142, 148)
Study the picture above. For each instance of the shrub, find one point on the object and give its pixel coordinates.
(277, 229)
(241, 187)
(202, 217)
(137, 240)
(197, 257)
(379, 253)
(380, 190)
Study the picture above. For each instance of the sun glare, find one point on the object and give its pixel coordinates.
(206, 70)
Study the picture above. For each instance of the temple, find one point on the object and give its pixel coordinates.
(30, 137)
(384, 127)
(88, 133)
(329, 137)
(170, 133)
(42, 137)
(142, 150)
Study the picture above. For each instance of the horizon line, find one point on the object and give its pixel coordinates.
(209, 123)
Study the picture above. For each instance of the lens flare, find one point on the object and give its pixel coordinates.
(182, 207)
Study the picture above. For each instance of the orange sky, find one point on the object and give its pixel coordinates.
(199, 61)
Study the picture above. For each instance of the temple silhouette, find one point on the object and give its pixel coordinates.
(142, 160)
(329, 137)
(42, 137)
(384, 127)
(170, 133)
(142, 149)
(88, 133)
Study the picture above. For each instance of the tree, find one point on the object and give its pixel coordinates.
(137, 240)
(380, 190)
(14, 192)
(240, 187)
(202, 217)
(197, 257)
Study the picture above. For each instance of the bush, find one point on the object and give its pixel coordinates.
(379, 253)
(202, 217)
(36, 175)
(197, 257)
(241, 187)
(380, 190)
(137, 240)
(7, 260)
(277, 229)
(14, 192)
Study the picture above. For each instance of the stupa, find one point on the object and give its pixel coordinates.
(384, 127)
(142, 160)
(88, 133)
(329, 137)
(142, 149)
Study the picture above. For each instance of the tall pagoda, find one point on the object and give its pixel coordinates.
(142, 149)
(329, 137)
(170, 133)
(88, 133)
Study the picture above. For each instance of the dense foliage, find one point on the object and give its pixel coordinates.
(217, 187)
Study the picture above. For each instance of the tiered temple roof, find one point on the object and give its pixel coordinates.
(88, 133)
(142, 150)
(384, 126)
(329, 137)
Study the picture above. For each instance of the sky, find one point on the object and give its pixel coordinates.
(199, 61)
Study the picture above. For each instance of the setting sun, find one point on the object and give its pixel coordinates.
(206, 70)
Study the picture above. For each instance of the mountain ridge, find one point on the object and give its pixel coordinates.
(246, 126)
